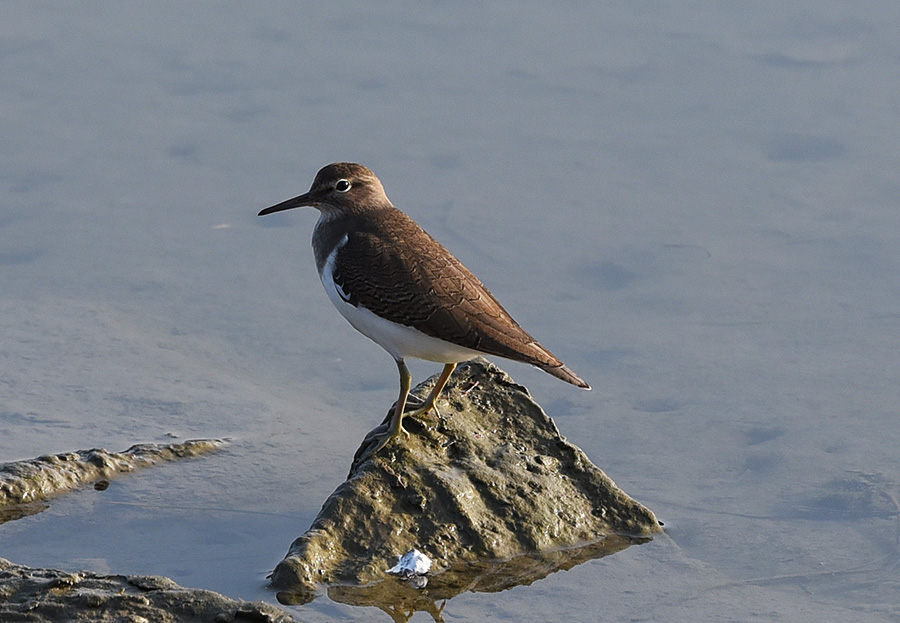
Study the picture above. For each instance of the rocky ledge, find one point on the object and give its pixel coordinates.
(488, 491)
(25, 485)
(46, 595)
(488, 487)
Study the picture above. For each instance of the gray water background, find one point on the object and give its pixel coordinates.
(693, 204)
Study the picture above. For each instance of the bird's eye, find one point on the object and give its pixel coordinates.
(342, 186)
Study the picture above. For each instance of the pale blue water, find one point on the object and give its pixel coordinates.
(694, 205)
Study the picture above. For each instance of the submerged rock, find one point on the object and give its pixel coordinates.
(490, 488)
(48, 595)
(25, 484)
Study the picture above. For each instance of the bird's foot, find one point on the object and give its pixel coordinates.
(374, 441)
(422, 407)
(390, 429)
(388, 436)
(413, 401)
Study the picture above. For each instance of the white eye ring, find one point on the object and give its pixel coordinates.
(342, 186)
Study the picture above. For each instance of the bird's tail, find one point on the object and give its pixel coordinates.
(563, 372)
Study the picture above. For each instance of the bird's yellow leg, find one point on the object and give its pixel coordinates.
(396, 427)
(435, 392)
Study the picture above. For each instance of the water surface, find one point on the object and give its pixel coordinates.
(693, 205)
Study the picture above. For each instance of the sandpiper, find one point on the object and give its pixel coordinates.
(402, 289)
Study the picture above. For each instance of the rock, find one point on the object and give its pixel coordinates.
(490, 480)
(25, 484)
(47, 595)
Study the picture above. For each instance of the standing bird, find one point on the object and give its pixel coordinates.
(401, 288)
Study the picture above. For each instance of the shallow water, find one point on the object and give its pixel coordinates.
(693, 206)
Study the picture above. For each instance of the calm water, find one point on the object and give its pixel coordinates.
(694, 205)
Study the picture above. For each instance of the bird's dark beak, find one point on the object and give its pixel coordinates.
(297, 202)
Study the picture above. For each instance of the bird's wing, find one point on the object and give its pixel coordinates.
(402, 274)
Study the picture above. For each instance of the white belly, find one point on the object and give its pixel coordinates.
(400, 341)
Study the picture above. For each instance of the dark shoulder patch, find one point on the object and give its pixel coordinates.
(343, 288)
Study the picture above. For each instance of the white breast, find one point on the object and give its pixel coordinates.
(399, 340)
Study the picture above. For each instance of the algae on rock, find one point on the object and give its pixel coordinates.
(489, 480)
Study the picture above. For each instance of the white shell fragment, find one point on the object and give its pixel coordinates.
(412, 563)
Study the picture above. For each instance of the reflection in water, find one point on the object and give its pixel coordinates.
(19, 511)
(400, 600)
